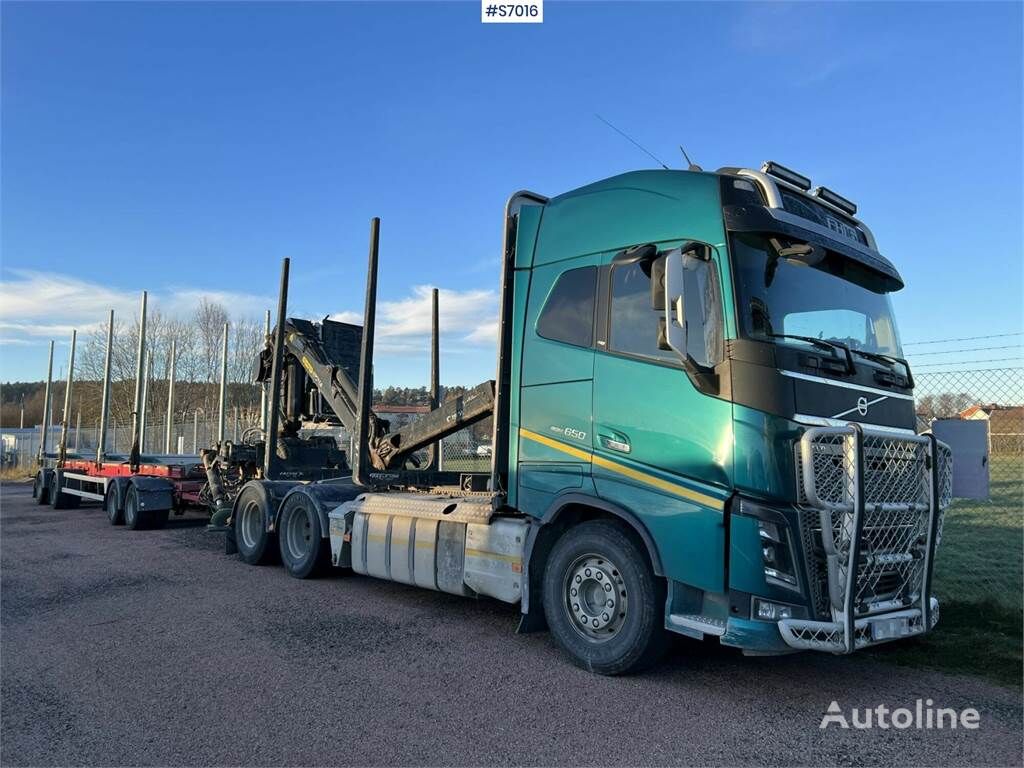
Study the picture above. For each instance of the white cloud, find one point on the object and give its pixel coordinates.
(36, 306)
(467, 318)
(348, 316)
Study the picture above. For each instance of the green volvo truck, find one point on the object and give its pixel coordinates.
(703, 424)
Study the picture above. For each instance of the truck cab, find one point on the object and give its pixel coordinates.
(702, 371)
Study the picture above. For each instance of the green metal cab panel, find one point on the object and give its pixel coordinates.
(676, 447)
(746, 566)
(551, 477)
(526, 234)
(765, 463)
(632, 208)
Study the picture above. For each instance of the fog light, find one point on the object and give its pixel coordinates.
(765, 610)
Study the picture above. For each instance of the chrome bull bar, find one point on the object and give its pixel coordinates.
(879, 497)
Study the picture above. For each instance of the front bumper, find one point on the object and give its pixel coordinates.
(806, 635)
(878, 499)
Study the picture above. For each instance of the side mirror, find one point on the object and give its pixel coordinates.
(675, 313)
(677, 262)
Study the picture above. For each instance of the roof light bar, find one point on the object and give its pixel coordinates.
(782, 172)
(838, 201)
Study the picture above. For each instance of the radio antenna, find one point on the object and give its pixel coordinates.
(633, 141)
(691, 166)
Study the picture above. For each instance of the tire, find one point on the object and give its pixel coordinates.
(256, 545)
(305, 553)
(40, 489)
(135, 519)
(598, 576)
(114, 514)
(57, 499)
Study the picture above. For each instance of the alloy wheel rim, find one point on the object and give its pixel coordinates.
(596, 599)
(250, 523)
(299, 534)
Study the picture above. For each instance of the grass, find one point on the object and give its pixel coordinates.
(982, 639)
(981, 558)
(16, 474)
(979, 571)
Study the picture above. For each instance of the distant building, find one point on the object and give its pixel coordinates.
(1005, 425)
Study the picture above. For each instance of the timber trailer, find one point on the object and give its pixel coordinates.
(703, 424)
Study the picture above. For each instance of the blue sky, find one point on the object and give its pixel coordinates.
(185, 148)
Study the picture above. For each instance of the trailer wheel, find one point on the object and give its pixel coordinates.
(135, 517)
(602, 601)
(256, 544)
(114, 514)
(304, 551)
(40, 489)
(59, 499)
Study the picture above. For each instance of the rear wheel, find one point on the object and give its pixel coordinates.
(40, 489)
(256, 544)
(57, 499)
(115, 514)
(304, 551)
(135, 517)
(602, 601)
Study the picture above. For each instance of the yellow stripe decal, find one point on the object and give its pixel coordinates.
(493, 555)
(633, 474)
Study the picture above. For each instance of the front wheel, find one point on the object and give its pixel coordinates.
(603, 603)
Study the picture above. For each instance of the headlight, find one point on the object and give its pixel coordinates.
(777, 553)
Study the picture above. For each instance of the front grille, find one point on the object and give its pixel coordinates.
(892, 527)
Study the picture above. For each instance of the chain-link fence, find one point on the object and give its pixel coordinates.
(981, 558)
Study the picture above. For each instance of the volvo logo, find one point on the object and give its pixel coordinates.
(861, 407)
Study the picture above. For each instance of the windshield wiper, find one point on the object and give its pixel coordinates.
(890, 361)
(828, 344)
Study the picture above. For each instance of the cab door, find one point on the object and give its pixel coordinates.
(556, 395)
(661, 447)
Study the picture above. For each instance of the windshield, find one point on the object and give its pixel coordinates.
(834, 300)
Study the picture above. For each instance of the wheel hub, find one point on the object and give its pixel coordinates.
(595, 597)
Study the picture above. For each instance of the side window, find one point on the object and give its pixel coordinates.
(634, 321)
(568, 313)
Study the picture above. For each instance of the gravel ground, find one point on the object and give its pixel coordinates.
(153, 648)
